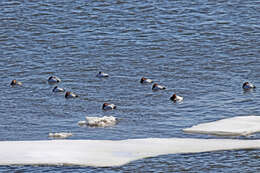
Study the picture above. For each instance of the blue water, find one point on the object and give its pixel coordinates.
(201, 50)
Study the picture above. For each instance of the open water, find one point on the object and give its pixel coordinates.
(202, 50)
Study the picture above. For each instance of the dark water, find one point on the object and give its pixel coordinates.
(202, 50)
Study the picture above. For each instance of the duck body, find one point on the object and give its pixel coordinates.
(157, 87)
(176, 98)
(15, 83)
(70, 95)
(107, 106)
(102, 74)
(58, 89)
(248, 86)
(54, 79)
(145, 80)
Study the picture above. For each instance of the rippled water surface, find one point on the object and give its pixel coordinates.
(202, 50)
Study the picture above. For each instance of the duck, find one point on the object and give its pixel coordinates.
(15, 82)
(247, 86)
(54, 79)
(70, 95)
(146, 80)
(58, 89)
(108, 106)
(157, 87)
(176, 98)
(102, 74)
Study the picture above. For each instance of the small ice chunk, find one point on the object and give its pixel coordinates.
(82, 123)
(60, 135)
(99, 121)
(235, 126)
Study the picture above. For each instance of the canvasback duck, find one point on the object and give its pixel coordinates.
(102, 74)
(54, 79)
(15, 82)
(176, 98)
(247, 86)
(107, 106)
(146, 80)
(70, 95)
(157, 87)
(58, 89)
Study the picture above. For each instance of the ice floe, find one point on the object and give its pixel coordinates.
(102, 153)
(235, 126)
(99, 121)
(60, 135)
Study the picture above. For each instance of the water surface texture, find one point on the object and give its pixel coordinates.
(202, 50)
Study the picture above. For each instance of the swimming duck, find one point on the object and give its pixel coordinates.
(176, 98)
(107, 106)
(15, 82)
(70, 95)
(247, 86)
(102, 74)
(54, 79)
(58, 89)
(157, 87)
(146, 80)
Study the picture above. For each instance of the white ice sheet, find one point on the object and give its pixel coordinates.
(102, 153)
(236, 126)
